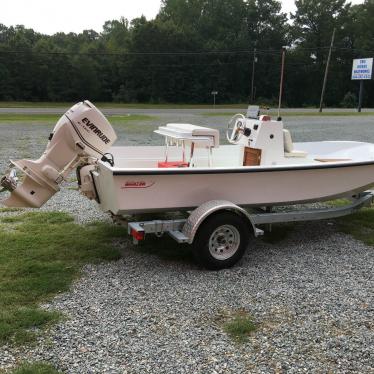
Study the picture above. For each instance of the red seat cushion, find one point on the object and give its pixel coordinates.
(173, 164)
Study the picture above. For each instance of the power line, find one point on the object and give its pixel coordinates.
(275, 52)
(237, 62)
(259, 53)
(124, 53)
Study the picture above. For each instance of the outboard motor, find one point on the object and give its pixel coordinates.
(81, 137)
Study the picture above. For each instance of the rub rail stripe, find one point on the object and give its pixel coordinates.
(189, 171)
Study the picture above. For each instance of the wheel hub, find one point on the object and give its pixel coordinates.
(224, 242)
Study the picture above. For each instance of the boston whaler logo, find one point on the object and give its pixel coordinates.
(95, 130)
(137, 184)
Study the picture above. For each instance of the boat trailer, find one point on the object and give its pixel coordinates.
(184, 230)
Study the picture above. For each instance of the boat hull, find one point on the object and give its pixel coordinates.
(130, 192)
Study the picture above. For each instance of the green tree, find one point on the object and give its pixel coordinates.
(313, 25)
(191, 48)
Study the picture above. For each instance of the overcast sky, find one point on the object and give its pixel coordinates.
(49, 16)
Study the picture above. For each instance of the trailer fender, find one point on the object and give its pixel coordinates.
(198, 216)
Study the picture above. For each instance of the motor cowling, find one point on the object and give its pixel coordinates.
(81, 136)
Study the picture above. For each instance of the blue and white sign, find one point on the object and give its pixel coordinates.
(362, 69)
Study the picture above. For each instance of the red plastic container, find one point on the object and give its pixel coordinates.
(173, 164)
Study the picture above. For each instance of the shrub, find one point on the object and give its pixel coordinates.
(349, 100)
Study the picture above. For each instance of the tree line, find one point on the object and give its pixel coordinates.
(194, 47)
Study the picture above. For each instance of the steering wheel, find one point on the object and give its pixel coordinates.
(235, 128)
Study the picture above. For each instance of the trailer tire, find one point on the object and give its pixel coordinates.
(221, 240)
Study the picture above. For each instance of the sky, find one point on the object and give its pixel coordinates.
(49, 16)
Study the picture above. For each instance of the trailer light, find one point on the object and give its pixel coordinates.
(137, 235)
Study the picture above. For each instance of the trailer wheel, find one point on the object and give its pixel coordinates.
(221, 240)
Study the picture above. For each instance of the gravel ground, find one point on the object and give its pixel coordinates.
(310, 295)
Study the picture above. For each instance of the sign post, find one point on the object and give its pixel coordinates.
(360, 95)
(362, 70)
(214, 93)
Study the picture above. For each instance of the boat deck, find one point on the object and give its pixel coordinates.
(231, 156)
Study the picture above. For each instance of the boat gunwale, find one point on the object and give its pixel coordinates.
(241, 170)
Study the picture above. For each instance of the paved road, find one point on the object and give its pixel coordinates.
(303, 128)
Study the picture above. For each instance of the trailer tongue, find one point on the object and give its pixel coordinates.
(79, 139)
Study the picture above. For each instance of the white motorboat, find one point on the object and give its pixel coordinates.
(260, 167)
(328, 170)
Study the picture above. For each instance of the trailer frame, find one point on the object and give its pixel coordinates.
(184, 230)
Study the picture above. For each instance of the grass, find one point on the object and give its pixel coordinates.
(4, 117)
(52, 118)
(337, 203)
(35, 368)
(239, 326)
(325, 114)
(360, 225)
(27, 104)
(40, 255)
(120, 120)
(10, 210)
(296, 114)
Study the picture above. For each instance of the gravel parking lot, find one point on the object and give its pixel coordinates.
(310, 294)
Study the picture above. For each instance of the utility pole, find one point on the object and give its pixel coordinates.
(326, 71)
(281, 83)
(253, 75)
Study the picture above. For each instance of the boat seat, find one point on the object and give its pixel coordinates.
(191, 136)
(201, 136)
(289, 150)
